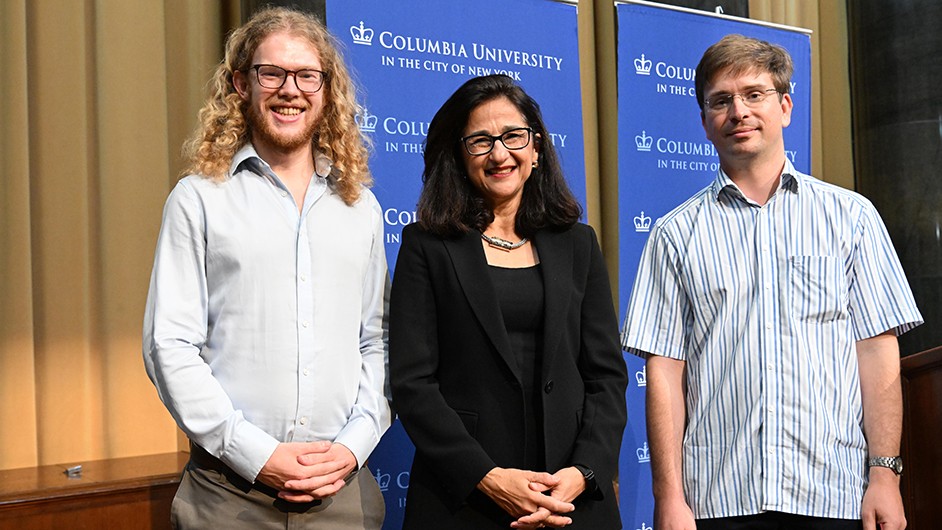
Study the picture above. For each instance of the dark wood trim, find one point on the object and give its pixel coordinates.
(134, 493)
(922, 454)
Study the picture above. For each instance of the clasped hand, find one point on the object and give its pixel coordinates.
(306, 471)
(536, 499)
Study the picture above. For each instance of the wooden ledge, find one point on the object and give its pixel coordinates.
(925, 361)
(99, 477)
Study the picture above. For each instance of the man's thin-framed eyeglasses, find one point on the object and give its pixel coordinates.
(482, 144)
(752, 98)
(273, 76)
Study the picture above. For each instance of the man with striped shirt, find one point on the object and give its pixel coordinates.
(768, 306)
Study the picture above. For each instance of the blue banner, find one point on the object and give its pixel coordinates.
(664, 157)
(408, 56)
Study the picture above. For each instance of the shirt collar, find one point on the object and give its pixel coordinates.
(247, 158)
(722, 183)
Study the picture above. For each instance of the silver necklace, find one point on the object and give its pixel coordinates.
(502, 244)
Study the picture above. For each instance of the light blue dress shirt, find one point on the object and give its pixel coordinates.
(765, 305)
(265, 324)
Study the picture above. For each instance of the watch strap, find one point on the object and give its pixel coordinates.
(893, 462)
(591, 485)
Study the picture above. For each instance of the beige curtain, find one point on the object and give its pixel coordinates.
(96, 99)
(832, 150)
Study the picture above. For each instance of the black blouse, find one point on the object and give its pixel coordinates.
(520, 296)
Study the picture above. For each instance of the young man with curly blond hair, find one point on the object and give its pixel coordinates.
(265, 327)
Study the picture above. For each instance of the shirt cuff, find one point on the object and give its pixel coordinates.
(360, 438)
(249, 450)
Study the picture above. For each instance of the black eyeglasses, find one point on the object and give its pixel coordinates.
(482, 144)
(722, 102)
(271, 76)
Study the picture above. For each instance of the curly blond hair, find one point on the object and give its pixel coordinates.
(223, 127)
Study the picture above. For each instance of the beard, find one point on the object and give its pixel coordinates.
(261, 130)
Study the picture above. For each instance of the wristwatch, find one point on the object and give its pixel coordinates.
(591, 486)
(893, 462)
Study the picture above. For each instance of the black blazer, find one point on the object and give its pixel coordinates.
(459, 394)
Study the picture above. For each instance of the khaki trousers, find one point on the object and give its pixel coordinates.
(219, 498)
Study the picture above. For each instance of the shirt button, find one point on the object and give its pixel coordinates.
(768, 286)
(771, 409)
(765, 248)
(308, 372)
(768, 325)
(548, 388)
(303, 420)
(284, 193)
(305, 323)
(770, 368)
(304, 278)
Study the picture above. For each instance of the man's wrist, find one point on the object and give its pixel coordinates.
(667, 492)
(892, 463)
(882, 475)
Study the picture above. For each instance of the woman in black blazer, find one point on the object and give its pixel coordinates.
(505, 364)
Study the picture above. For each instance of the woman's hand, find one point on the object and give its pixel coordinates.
(511, 489)
(569, 484)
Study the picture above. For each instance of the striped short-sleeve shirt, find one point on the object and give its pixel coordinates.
(765, 305)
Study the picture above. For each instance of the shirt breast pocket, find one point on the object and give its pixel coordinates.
(819, 288)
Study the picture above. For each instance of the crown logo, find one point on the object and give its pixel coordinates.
(644, 455)
(383, 480)
(642, 375)
(361, 35)
(642, 224)
(642, 66)
(643, 141)
(366, 121)
(644, 527)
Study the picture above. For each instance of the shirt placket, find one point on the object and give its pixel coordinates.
(767, 292)
(305, 297)
(305, 330)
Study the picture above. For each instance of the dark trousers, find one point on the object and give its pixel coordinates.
(778, 521)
